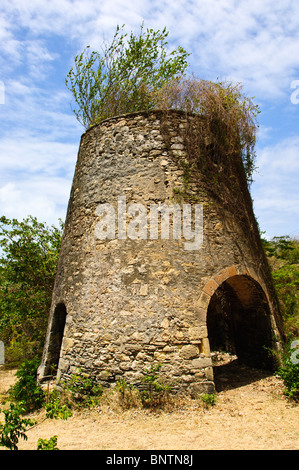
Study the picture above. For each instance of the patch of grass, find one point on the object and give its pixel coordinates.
(208, 399)
(83, 391)
(47, 444)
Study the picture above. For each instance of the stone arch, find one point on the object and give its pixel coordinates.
(55, 338)
(238, 317)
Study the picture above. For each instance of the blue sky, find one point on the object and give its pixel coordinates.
(255, 43)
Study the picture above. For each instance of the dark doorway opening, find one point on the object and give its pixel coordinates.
(239, 323)
(56, 337)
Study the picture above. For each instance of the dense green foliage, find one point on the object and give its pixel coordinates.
(26, 390)
(47, 444)
(55, 407)
(289, 370)
(28, 264)
(283, 254)
(123, 77)
(84, 391)
(14, 426)
(138, 73)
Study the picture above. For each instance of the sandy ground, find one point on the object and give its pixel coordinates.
(250, 413)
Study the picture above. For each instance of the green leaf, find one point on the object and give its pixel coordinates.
(124, 76)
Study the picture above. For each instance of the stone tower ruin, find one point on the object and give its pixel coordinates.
(153, 269)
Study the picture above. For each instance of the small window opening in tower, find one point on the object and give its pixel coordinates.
(56, 337)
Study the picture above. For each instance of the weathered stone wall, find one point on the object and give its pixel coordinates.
(132, 303)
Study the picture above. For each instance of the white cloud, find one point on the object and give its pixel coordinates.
(38, 57)
(43, 198)
(280, 159)
(275, 191)
(36, 177)
(31, 110)
(36, 155)
(254, 42)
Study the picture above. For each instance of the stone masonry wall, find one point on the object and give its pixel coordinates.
(133, 303)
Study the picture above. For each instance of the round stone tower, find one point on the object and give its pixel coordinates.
(153, 268)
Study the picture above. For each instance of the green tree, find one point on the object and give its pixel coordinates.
(28, 264)
(289, 371)
(124, 76)
(14, 427)
(283, 255)
(137, 73)
(26, 390)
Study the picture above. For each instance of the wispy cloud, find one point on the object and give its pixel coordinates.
(254, 42)
(36, 155)
(275, 192)
(36, 177)
(39, 196)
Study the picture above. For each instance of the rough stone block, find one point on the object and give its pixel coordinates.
(189, 351)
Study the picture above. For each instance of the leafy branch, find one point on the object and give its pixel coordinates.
(122, 78)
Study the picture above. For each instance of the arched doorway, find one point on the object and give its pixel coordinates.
(55, 338)
(239, 322)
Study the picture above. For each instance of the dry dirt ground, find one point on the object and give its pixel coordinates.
(251, 412)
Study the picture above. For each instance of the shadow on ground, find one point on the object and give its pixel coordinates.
(235, 374)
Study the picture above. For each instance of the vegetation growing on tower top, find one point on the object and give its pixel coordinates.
(124, 76)
(138, 73)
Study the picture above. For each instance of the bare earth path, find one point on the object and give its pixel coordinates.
(250, 413)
